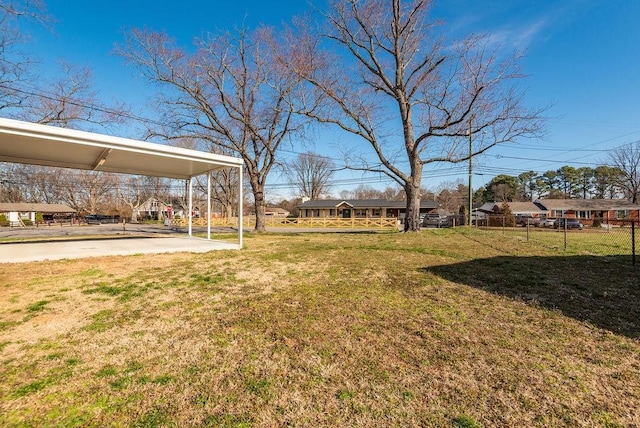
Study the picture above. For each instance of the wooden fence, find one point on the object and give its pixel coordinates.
(328, 223)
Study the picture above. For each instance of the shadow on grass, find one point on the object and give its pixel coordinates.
(604, 291)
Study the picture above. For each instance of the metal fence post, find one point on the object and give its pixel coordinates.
(633, 242)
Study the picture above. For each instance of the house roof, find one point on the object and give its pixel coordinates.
(515, 207)
(276, 210)
(35, 207)
(588, 204)
(525, 208)
(36, 144)
(363, 203)
(487, 207)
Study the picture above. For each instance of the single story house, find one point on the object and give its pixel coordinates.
(588, 210)
(18, 212)
(360, 208)
(276, 212)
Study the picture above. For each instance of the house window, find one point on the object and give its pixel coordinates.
(332, 212)
(376, 212)
(622, 214)
(584, 214)
(559, 213)
(361, 213)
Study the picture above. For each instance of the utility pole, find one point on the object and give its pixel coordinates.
(469, 214)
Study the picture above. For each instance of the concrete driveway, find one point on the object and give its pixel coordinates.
(69, 242)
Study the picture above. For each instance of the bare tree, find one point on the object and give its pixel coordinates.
(392, 193)
(310, 173)
(89, 191)
(15, 65)
(224, 190)
(405, 81)
(12, 185)
(70, 102)
(627, 160)
(451, 195)
(230, 94)
(364, 191)
(224, 183)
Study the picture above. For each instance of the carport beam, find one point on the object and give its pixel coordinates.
(240, 199)
(209, 205)
(189, 214)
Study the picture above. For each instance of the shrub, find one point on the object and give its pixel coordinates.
(505, 210)
(3, 220)
(501, 220)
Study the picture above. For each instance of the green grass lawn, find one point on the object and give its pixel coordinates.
(460, 328)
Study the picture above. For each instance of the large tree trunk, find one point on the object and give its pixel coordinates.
(134, 213)
(412, 216)
(258, 194)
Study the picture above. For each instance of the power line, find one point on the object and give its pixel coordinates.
(35, 92)
(544, 160)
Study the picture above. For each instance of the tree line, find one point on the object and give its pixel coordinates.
(618, 179)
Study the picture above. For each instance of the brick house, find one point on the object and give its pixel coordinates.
(360, 208)
(610, 211)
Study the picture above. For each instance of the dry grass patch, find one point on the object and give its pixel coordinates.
(435, 329)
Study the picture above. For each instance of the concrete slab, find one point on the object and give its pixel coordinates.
(20, 252)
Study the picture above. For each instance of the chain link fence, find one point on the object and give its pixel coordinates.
(613, 238)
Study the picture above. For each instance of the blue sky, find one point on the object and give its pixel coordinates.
(581, 58)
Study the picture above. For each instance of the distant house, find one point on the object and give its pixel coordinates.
(155, 209)
(17, 212)
(151, 209)
(276, 212)
(587, 210)
(360, 208)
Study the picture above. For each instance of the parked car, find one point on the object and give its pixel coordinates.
(524, 219)
(571, 223)
(435, 220)
(545, 222)
(101, 219)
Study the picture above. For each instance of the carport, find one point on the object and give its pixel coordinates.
(35, 144)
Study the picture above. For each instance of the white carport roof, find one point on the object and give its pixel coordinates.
(35, 144)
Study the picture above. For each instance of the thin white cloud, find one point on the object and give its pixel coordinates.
(517, 37)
